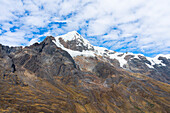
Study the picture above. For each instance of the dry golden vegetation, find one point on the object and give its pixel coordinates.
(127, 96)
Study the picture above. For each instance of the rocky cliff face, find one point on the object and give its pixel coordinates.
(68, 74)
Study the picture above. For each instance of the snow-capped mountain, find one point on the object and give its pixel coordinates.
(69, 75)
(76, 45)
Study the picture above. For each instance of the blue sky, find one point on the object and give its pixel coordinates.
(138, 26)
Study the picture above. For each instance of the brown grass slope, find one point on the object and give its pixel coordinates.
(129, 95)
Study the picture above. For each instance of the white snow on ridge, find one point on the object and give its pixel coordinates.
(150, 66)
(155, 59)
(71, 52)
(102, 51)
(69, 36)
(121, 59)
(75, 35)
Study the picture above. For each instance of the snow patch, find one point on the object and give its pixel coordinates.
(71, 52)
(150, 66)
(155, 60)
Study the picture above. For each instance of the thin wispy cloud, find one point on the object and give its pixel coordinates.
(139, 26)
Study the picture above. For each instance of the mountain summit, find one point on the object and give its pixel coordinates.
(67, 74)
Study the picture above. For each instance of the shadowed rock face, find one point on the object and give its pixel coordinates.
(158, 72)
(137, 66)
(104, 70)
(44, 78)
(6, 63)
(44, 60)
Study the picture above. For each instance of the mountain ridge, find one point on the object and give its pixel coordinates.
(74, 34)
(76, 45)
(45, 77)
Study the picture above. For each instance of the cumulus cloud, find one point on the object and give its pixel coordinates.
(124, 25)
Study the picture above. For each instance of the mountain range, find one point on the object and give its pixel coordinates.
(66, 74)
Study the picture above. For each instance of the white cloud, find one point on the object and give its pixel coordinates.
(34, 21)
(13, 38)
(55, 19)
(114, 23)
(32, 41)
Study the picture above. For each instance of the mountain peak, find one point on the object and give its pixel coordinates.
(73, 41)
(71, 36)
(49, 39)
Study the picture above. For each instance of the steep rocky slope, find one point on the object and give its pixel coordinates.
(67, 74)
